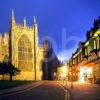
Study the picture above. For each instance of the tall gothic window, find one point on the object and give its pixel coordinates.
(25, 54)
(98, 42)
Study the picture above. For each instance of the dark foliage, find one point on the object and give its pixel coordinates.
(8, 68)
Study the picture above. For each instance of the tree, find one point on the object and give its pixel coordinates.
(2, 70)
(8, 68)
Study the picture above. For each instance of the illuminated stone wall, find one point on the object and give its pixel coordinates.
(19, 46)
(4, 47)
(23, 39)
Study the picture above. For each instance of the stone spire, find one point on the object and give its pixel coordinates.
(35, 25)
(13, 18)
(12, 12)
(35, 30)
(34, 20)
(24, 22)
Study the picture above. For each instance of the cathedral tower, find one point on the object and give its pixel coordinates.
(24, 49)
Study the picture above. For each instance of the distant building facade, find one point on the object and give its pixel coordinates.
(21, 48)
(50, 61)
(85, 62)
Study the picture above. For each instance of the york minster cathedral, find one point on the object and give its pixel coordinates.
(20, 46)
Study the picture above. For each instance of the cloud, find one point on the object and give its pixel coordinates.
(65, 55)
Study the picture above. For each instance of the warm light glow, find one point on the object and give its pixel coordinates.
(94, 44)
(82, 70)
(87, 43)
(84, 73)
(95, 34)
(62, 71)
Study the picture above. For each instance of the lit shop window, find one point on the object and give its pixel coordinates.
(86, 53)
(85, 72)
(98, 42)
(94, 44)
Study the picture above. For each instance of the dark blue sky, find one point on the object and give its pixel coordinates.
(58, 18)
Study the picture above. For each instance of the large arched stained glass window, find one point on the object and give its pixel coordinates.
(25, 54)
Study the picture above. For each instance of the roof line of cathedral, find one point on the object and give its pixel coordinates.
(24, 22)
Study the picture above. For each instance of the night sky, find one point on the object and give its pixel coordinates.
(65, 21)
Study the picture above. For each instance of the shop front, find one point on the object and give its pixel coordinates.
(85, 74)
(96, 71)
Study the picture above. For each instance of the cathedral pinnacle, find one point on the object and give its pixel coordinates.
(34, 20)
(12, 12)
(13, 15)
(13, 19)
(24, 21)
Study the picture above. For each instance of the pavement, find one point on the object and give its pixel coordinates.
(42, 90)
(83, 91)
(20, 88)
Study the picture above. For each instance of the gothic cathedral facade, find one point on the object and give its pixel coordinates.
(23, 50)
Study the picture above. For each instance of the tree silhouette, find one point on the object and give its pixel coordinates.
(2, 70)
(8, 68)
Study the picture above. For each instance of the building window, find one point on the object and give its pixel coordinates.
(79, 57)
(25, 54)
(73, 61)
(98, 42)
(77, 60)
(94, 44)
(98, 53)
(86, 53)
(88, 50)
